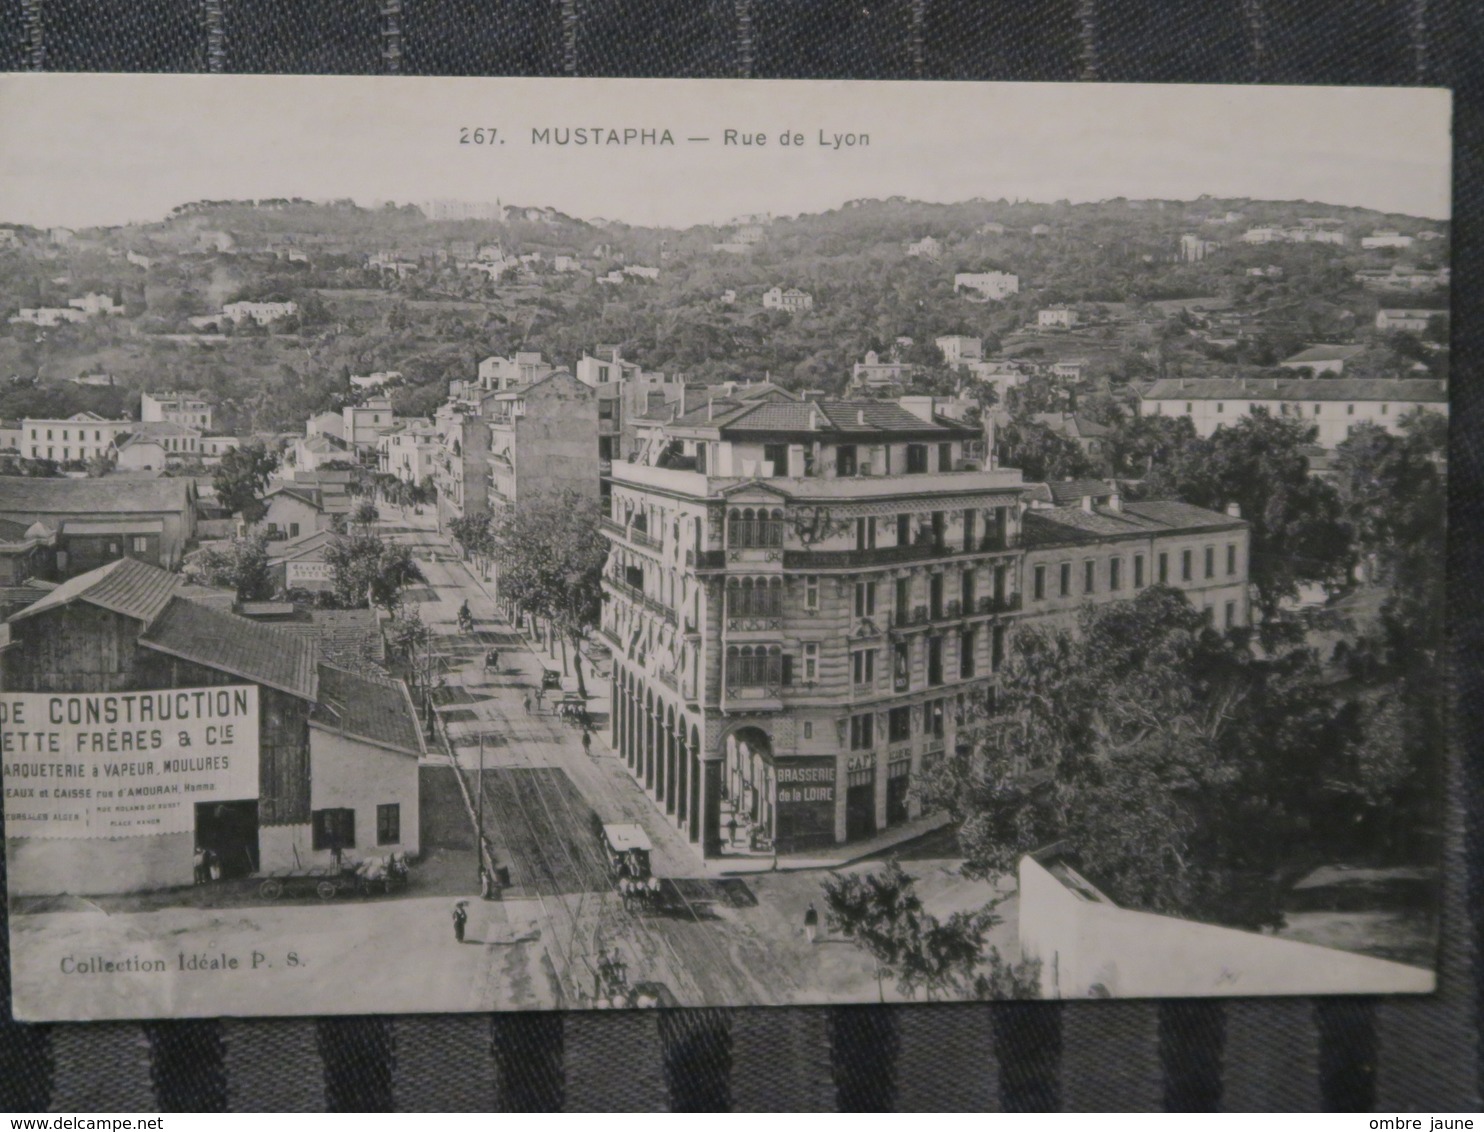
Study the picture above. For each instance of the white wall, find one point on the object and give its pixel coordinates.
(1084, 944)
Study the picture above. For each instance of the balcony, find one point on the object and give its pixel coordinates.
(706, 559)
(605, 467)
(612, 526)
(644, 538)
(611, 637)
(752, 697)
(754, 623)
(1003, 603)
(857, 559)
(669, 679)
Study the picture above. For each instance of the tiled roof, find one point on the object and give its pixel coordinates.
(110, 494)
(229, 643)
(309, 546)
(858, 417)
(127, 587)
(349, 638)
(374, 708)
(1298, 389)
(1060, 526)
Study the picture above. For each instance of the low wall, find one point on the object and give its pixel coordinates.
(1089, 947)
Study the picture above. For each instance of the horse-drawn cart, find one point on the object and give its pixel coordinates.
(364, 878)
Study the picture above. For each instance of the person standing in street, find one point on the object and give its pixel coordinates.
(811, 923)
(587, 741)
(460, 918)
(526, 703)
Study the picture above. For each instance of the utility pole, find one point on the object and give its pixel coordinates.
(479, 833)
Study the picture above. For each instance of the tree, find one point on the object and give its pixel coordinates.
(365, 570)
(1176, 762)
(1137, 443)
(1260, 464)
(883, 915)
(409, 644)
(1391, 495)
(1043, 455)
(241, 478)
(242, 565)
(366, 515)
(551, 555)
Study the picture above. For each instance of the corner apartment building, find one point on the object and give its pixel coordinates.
(802, 598)
(521, 368)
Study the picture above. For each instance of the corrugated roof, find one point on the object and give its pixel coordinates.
(233, 644)
(127, 587)
(373, 708)
(1298, 389)
(112, 495)
(1325, 353)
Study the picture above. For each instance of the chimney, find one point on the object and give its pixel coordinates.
(860, 416)
(1234, 510)
(1087, 504)
(813, 416)
(1115, 502)
(709, 407)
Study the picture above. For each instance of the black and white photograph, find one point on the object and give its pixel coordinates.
(481, 545)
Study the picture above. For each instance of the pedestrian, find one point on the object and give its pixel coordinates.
(526, 703)
(460, 918)
(732, 830)
(484, 883)
(495, 659)
(200, 862)
(587, 741)
(540, 694)
(214, 865)
(811, 923)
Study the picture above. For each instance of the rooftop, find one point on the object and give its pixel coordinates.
(238, 645)
(127, 587)
(375, 709)
(852, 419)
(23, 495)
(1057, 526)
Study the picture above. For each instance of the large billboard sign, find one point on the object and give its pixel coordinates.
(124, 764)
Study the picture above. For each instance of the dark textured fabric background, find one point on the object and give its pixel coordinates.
(1343, 1053)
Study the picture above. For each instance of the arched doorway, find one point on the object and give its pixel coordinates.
(750, 787)
(670, 761)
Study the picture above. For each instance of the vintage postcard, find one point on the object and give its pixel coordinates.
(478, 545)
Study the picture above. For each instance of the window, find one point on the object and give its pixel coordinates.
(932, 719)
(966, 591)
(334, 829)
(293, 530)
(1138, 571)
(865, 534)
(966, 654)
(1066, 579)
(1040, 583)
(777, 455)
(968, 528)
(935, 661)
(1231, 558)
(904, 529)
(863, 666)
(1089, 576)
(865, 599)
(845, 460)
(899, 725)
(1115, 573)
(903, 600)
(1316, 410)
(945, 457)
(66, 434)
(1185, 565)
(141, 544)
(901, 667)
(808, 730)
(1349, 410)
(1210, 562)
(861, 732)
(916, 458)
(940, 527)
(935, 596)
(1220, 407)
(997, 647)
(1385, 409)
(389, 824)
(1164, 568)
(811, 662)
(1231, 614)
(1189, 408)
(811, 592)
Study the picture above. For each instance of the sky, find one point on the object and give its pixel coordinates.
(81, 150)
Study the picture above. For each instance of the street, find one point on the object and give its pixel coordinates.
(718, 940)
